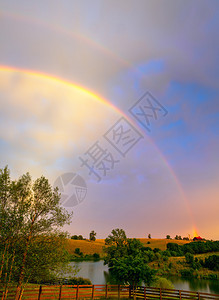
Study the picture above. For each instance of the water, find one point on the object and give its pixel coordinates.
(99, 274)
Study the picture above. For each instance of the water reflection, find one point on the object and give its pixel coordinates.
(99, 274)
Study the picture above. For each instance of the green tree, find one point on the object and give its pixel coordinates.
(93, 235)
(29, 211)
(168, 237)
(149, 236)
(117, 237)
(127, 259)
(132, 270)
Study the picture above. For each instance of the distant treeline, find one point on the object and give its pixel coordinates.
(193, 248)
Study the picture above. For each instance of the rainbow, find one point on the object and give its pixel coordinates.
(110, 105)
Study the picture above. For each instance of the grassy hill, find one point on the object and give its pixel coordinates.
(89, 248)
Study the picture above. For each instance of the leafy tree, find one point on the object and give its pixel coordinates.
(168, 237)
(117, 237)
(127, 259)
(189, 258)
(93, 235)
(149, 236)
(132, 270)
(29, 211)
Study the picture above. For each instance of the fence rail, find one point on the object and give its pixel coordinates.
(56, 292)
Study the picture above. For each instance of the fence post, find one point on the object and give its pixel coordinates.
(198, 296)
(40, 292)
(130, 292)
(77, 292)
(106, 294)
(160, 294)
(93, 291)
(145, 293)
(60, 292)
(119, 291)
(180, 296)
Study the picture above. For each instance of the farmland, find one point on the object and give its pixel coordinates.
(91, 247)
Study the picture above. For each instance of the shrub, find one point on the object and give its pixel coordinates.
(173, 247)
(78, 251)
(163, 283)
(77, 281)
(96, 256)
(165, 258)
(189, 258)
(166, 253)
(156, 250)
(212, 262)
(186, 273)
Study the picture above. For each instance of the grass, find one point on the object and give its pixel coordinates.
(91, 247)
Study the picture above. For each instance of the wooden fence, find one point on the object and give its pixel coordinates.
(104, 292)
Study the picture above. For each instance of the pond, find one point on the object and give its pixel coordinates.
(99, 274)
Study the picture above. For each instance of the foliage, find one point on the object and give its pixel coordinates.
(168, 237)
(187, 273)
(117, 237)
(212, 262)
(189, 258)
(127, 259)
(93, 235)
(96, 256)
(77, 281)
(200, 247)
(163, 283)
(78, 251)
(173, 247)
(132, 270)
(149, 236)
(77, 237)
(30, 221)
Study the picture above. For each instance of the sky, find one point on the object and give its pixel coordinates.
(117, 103)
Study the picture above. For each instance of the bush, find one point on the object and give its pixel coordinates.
(166, 253)
(165, 258)
(189, 258)
(186, 273)
(163, 283)
(212, 262)
(173, 247)
(77, 281)
(96, 256)
(78, 251)
(156, 250)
